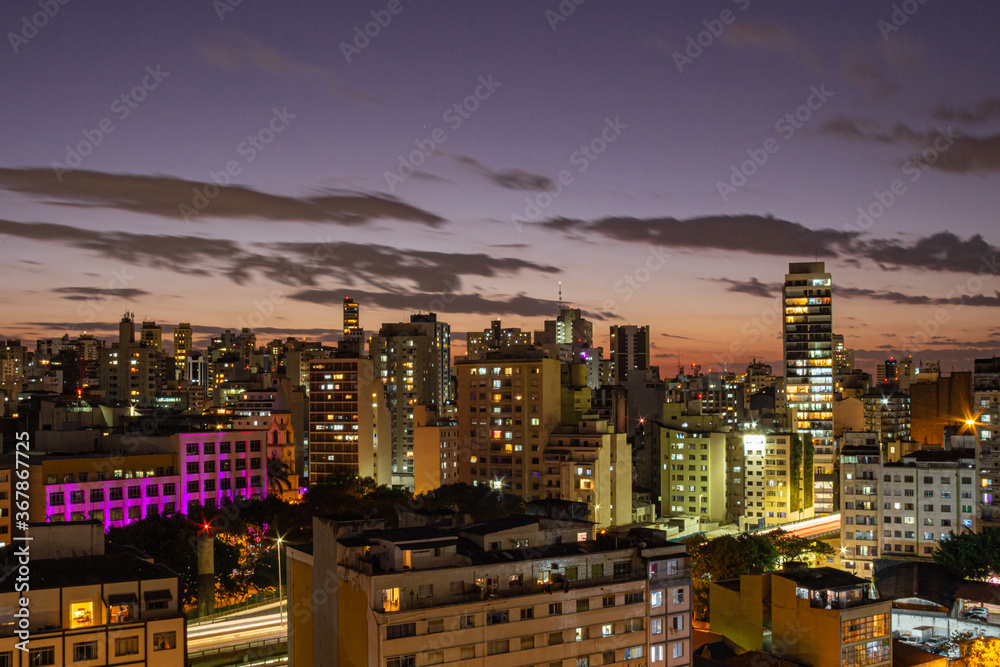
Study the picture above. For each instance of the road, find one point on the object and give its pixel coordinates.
(220, 634)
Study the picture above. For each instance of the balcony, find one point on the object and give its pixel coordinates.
(476, 593)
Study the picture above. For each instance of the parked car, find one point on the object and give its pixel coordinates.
(936, 643)
(910, 639)
(976, 613)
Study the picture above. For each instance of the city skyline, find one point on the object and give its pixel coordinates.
(253, 165)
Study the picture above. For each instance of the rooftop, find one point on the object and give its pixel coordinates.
(112, 568)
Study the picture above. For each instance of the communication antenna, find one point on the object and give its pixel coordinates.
(560, 296)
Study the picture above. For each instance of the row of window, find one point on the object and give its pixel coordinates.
(502, 646)
(208, 448)
(226, 465)
(88, 650)
(57, 498)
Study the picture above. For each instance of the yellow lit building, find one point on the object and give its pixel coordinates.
(822, 616)
(808, 356)
(693, 473)
(507, 408)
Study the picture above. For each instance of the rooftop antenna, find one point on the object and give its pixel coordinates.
(560, 296)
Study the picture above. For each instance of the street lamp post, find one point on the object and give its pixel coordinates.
(281, 611)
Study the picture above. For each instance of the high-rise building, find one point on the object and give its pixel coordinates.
(861, 511)
(843, 360)
(808, 359)
(182, 348)
(693, 476)
(773, 480)
(151, 335)
(347, 421)
(128, 368)
(507, 408)
(986, 416)
(629, 350)
(413, 361)
(352, 315)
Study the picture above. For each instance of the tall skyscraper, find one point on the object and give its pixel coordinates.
(128, 368)
(413, 360)
(347, 421)
(808, 358)
(352, 315)
(629, 350)
(182, 348)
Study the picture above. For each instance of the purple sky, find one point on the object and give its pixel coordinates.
(646, 226)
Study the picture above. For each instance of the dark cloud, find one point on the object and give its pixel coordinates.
(510, 179)
(943, 251)
(172, 197)
(666, 335)
(947, 149)
(764, 235)
(87, 293)
(754, 234)
(289, 263)
(753, 287)
(986, 110)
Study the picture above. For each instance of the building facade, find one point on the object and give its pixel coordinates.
(808, 359)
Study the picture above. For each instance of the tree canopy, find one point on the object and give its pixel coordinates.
(974, 555)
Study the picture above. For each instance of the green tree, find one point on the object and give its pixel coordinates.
(727, 557)
(172, 540)
(974, 555)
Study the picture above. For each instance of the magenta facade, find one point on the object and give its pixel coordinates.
(210, 468)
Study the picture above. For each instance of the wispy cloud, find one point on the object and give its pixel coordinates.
(163, 196)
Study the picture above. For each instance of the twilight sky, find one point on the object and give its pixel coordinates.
(664, 162)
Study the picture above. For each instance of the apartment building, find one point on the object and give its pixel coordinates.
(822, 616)
(775, 480)
(986, 422)
(516, 591)
(348, 421)
(861, 512)
(507, 408)
(693, 476)
(590, 463)
(925, 496)
(435, 446)
(94, 608)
